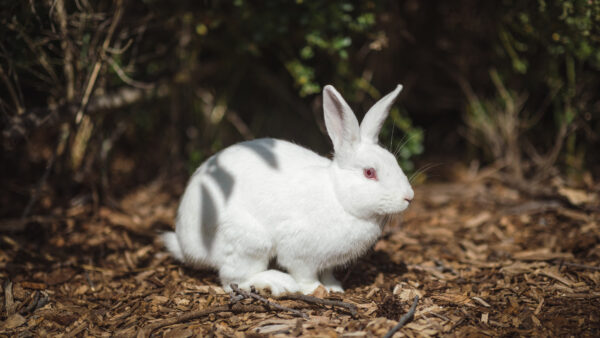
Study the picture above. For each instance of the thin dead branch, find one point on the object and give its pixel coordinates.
(404, 319)
(315, 300)
(189, 316)
(11, 91)
(265, 301)
(36, 193)
(239, 124)
(125, 78)
(99, 63)
(19, 127)
(66, 45)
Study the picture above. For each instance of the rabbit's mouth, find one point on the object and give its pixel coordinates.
(392, 206)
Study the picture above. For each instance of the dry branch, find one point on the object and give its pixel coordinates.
(125, 78)
(61, 15)
(186, 317)
(98, 65)
(21, 126)
(315, 300)
(11, 91)
(263, 300)
(404, 319)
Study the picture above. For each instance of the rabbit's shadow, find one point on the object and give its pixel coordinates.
(204, 276)
(364, 271)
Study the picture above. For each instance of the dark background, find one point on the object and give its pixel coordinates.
(98, 97)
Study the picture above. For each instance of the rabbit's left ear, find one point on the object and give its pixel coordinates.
(373, 120)
(342, 125)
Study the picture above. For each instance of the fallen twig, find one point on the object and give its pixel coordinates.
(315, 300)
(404, 319)
(267, 302)
(235, 308)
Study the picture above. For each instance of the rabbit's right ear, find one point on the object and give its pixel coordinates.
(342, 125)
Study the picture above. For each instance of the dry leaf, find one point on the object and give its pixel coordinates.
(543, 254)
(576, 196)
(13, 321)
(552, 272)
(33, 285)
(478, 220)
(484, 317)
(59, 276)
(454, 298)
(320, 292)
(273, 329)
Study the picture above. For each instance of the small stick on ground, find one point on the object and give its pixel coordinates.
(404, 319)
(265, 301)
(186, 317)
(315, 300)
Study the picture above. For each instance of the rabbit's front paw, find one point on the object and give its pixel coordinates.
(309, 287)
(334, 288)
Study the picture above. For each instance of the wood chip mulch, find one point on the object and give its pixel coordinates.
(482, 258)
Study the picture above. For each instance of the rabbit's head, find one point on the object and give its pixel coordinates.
(367, 178)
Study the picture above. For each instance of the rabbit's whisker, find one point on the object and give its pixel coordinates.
(392, 137)
(422, 170)
(403, 141)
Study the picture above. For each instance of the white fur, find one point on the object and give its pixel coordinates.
(267, 198)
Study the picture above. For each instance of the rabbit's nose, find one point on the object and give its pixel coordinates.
(409, 195)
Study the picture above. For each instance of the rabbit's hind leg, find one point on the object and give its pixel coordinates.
(245, 251)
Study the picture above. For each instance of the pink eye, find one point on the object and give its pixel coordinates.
(370, 173)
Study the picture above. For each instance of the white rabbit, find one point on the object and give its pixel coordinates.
(270, 199)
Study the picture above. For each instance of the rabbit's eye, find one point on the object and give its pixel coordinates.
(370, 173)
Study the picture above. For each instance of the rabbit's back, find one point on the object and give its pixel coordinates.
(258, 179)
(253, 166)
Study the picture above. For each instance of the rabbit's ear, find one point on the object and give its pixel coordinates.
(342, 125)
(374, 118)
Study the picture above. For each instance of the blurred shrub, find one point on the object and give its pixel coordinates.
(107, 83)
(88, 88)
(546, 84)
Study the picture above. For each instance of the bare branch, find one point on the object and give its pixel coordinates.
(315, 300)
(404, 319)
(186, 317)
(19, 127)
(239, 124)
(66, 45)
(11, 91)
(98, 65)
(120, 50)
(125, 78)
(265, 301)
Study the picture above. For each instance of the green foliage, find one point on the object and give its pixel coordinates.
(314, 42)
